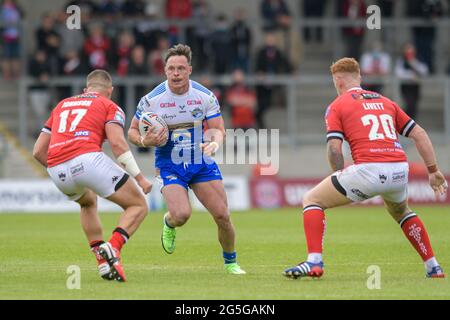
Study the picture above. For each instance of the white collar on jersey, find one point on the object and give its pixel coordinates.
(354, 88)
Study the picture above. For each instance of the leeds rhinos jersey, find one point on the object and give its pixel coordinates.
(184, 115)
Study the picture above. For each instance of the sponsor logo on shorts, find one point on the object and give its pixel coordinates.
(81, 134)
(114, 179)
(171, 178)
(76, 170)
(383, 178)
(398, 176)
(360, 194)
(62, 176)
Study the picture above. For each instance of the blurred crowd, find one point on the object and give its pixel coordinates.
(130, 37)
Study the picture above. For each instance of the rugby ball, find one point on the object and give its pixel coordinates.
(149, 122)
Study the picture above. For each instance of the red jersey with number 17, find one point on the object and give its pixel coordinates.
(77, 126)
(370, 123)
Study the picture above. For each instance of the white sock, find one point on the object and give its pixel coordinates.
(314, 257)
(430, 263)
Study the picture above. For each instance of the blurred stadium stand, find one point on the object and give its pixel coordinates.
(297, 108)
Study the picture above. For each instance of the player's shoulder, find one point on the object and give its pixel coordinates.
(157, 91)
(200, 89)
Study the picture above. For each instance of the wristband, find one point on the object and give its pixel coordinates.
(432, 169)
(216, 146)
(127, 160)
(142, 142)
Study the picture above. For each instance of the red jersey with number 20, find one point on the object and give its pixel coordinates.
(370, 123)
(77, 126)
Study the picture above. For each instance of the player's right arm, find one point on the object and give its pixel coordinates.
(40, 150)
(426, 151)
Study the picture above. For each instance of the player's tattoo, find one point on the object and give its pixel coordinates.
(335, 157)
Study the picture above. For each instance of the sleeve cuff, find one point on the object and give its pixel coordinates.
(213, 116)
(408, 128)
(335, 135)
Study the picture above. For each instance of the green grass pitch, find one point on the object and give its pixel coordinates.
(36, 249)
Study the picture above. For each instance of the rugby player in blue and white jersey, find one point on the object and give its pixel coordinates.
(182, 155)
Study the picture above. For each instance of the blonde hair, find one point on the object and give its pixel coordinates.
(99, 79)
(347, 65)
(179, 50)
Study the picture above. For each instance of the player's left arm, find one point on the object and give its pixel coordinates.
(335, 155)
(426, 151)
(214, 136)
(40, 150)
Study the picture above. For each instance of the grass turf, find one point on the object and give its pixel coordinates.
(36, 249)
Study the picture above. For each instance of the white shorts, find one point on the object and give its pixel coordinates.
(95, 171)
(366, 180)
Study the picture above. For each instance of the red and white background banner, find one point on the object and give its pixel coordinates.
(269, 192)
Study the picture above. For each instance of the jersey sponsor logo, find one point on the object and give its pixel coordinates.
(365, 96)
(79, 103)
(77, 170)
(169, 116)
(357, 96)
(213, 101)
(197, 113)
(373, 106)
(182, 109)
(370, 95)
(119, 117)
(167, 105)
(183, 135)
(81, 134)
(193, 102)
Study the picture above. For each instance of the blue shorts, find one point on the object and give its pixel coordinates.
(186, 175)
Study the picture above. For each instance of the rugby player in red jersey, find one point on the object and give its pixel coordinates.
(370, 123)
(70, 146)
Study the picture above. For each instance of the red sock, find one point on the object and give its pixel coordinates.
(94, 248)
(314, 224)
(416, 233)
(119, 238)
